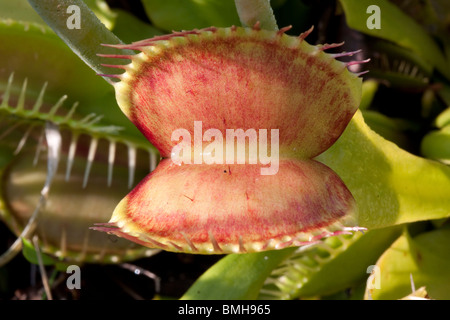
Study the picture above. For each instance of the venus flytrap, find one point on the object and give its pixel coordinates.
(63, 224)
(33, 87)
(200, 209)
(390, 185)
(397, 66)
(362, 144)
(335, 264)
(295, 280)
(362, 141)
(81, 86)
(65, 233)
(398, 28)
(212, 239)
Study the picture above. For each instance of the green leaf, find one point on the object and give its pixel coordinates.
(241, 276)
(237, 276)
(426, 257)
(443, 119)
(400, 66)
(369, 89)
(397, 27)
(84, 41)
(339, 263)
(190, 14)
(102, 11)
(436, 145)
(256, 11)
(28, 50)
(389, 128)
(390, 185)
(129, 28)
(30, 254)
(18, 10)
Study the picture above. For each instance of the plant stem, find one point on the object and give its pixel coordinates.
(252, 11)
(84, 41)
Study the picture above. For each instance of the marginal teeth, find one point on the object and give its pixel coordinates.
(153, 160)
(282, 30)
(95, 120)
(303, 35)
(71, 156)
(401, 66)
(361, 73)
(23, 140)
(10, 129)
(71, 111)
(39, 147)
(34, 114)
(94, 145)
(257, 26)
(352, 63)
(117, 66)
(111, 158)
(131, 164)
(57, 106)
(384, 61)
(115, 56)
(91, 155)
(345, 54)
(407, 68)
(21, 101)
(330, 46)
(414, 71)
(30, 121)
(117, 76)
(7, 91)
(355, 66)
(40, 99)
(87, 118)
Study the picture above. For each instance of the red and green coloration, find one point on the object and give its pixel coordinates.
(237, 78)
